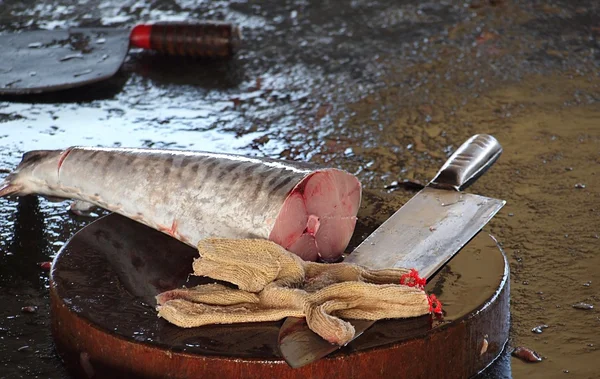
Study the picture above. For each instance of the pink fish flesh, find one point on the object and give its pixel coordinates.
(192, 195)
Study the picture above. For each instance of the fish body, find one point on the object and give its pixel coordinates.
(193, 195)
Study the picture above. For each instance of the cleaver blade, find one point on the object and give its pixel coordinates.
(424, 234)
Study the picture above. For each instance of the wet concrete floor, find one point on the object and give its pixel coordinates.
(384, 89)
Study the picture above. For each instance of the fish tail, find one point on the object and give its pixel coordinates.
(8, 188)
(46, 162)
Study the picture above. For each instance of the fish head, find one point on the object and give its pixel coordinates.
(37, 170)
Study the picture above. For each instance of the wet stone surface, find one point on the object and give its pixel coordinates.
(384, 89)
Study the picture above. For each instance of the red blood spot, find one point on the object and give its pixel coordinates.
(45, 265)
(435, 305)
(412, 279)
(62, 157)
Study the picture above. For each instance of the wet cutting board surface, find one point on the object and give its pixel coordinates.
(105, 278)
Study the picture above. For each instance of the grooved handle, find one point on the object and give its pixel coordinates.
(468, 162)
(202, 39)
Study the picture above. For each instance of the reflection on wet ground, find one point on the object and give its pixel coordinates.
(384, 89)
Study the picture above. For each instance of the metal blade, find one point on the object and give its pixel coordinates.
(300, 346)
(424, 234)
(50, 60)
(407, 240)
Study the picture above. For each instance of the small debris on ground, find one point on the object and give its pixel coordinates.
(484, 37)
(29, 309)
(539, 329)
(582, 305)
(527, 355)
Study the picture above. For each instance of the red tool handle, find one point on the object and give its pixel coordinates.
(203, 38)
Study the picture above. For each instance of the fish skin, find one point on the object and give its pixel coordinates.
(188, 195)
(36, 168)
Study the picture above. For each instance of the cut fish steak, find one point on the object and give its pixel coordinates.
(192, 195)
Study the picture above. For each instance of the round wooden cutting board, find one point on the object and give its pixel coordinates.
(104, 280)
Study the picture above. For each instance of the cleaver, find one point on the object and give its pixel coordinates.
(424, 234)
(50, 60)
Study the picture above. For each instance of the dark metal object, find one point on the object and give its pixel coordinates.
(50, 60)
(104, 280)
(424, 234)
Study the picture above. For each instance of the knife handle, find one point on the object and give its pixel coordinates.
(201, 39)
(468, 163)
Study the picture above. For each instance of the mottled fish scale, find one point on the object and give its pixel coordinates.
(212, 184)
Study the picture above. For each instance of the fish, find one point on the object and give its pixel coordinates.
(192, 195)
